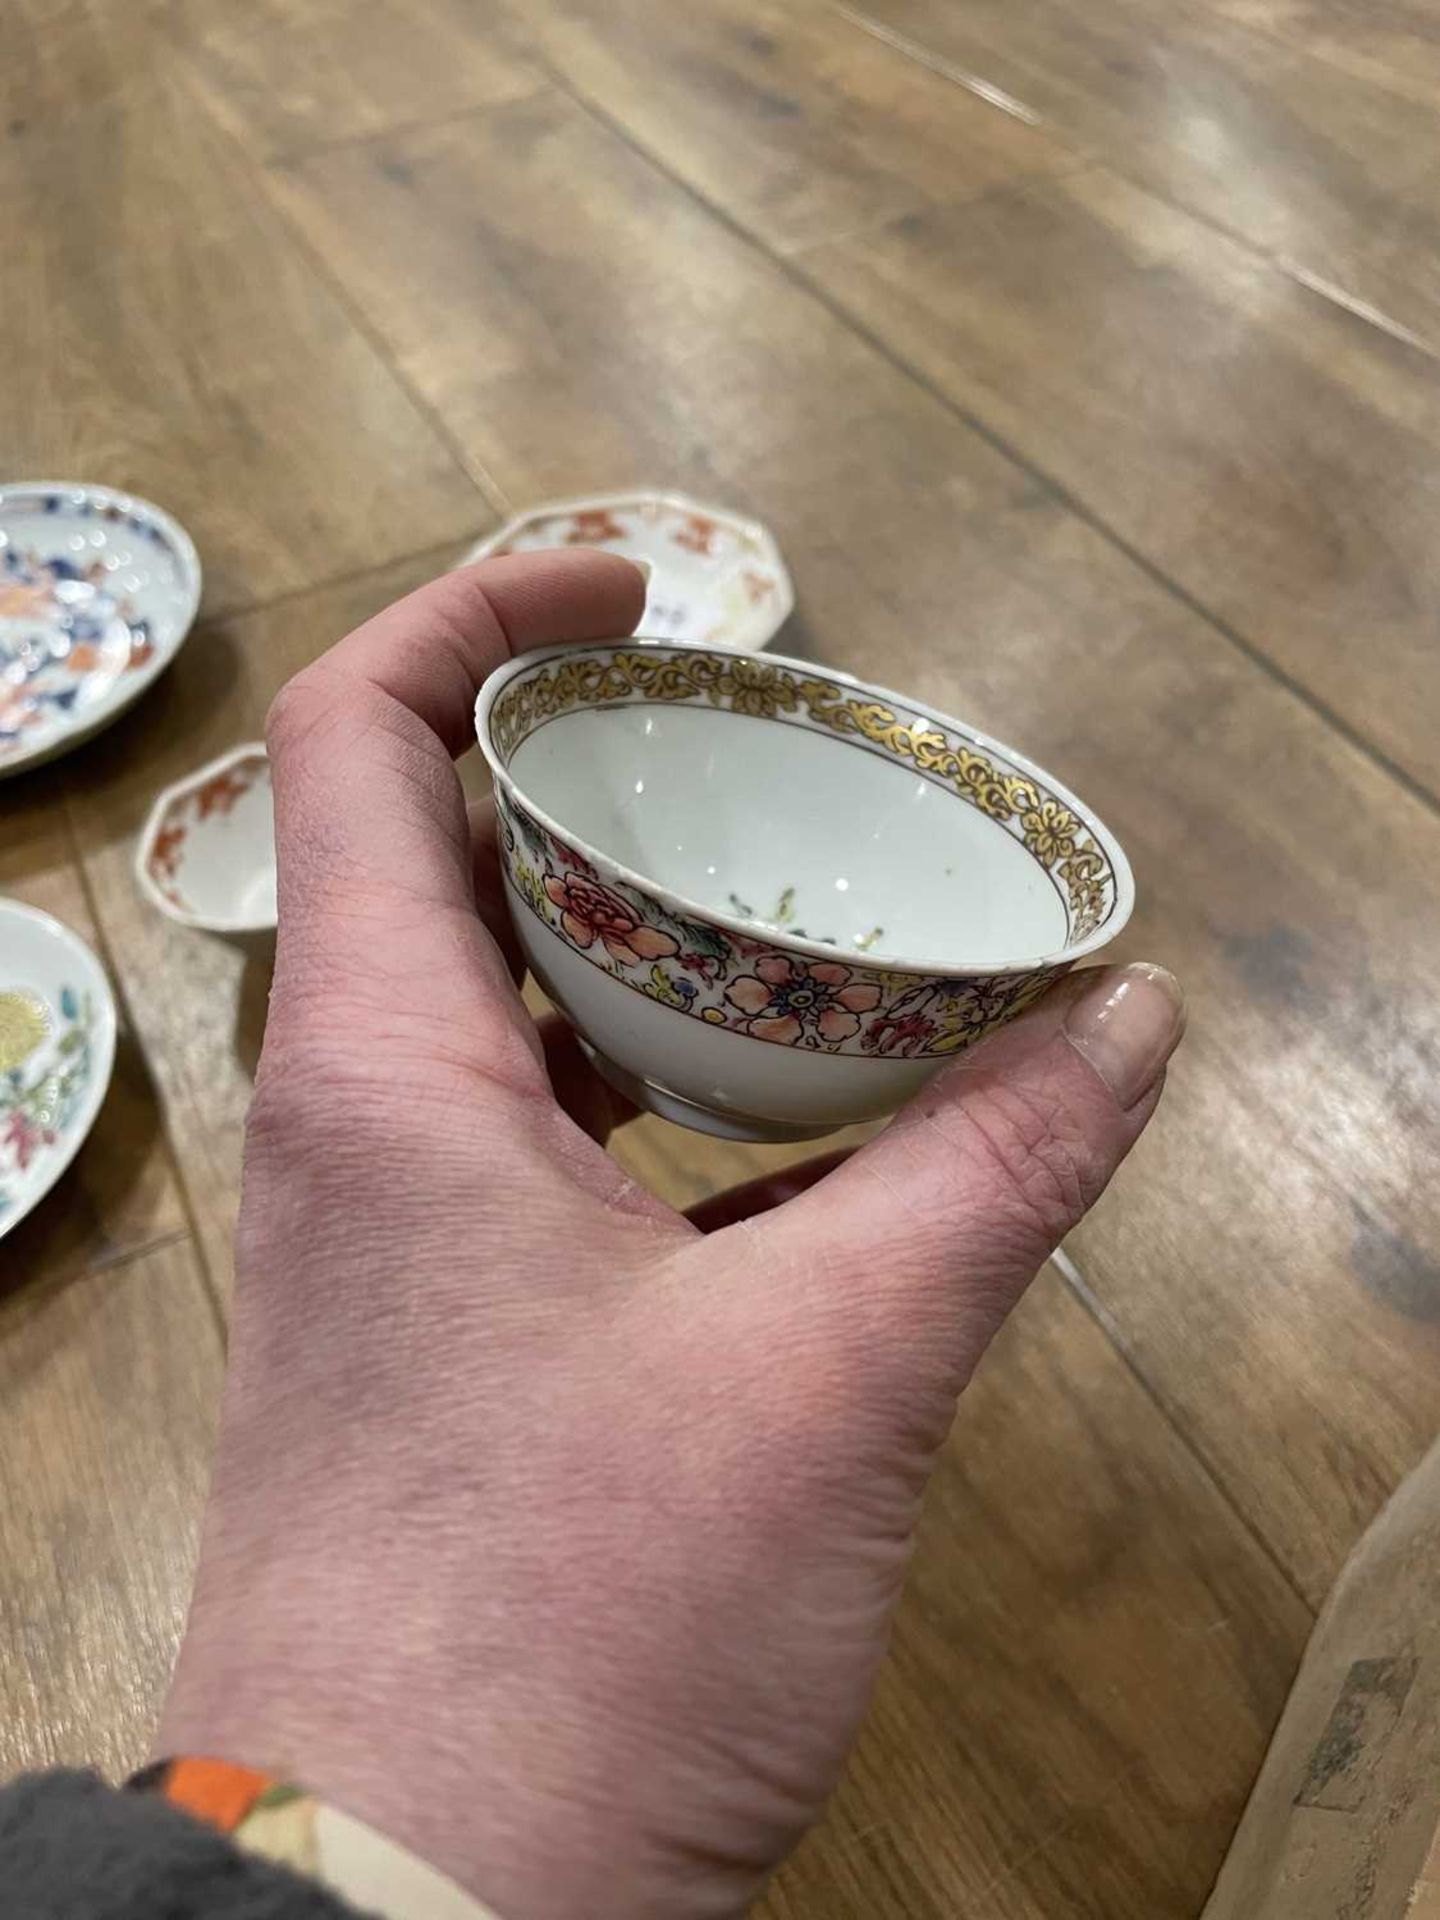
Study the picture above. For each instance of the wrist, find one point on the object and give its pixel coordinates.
(332, 1664)
(277, 1821)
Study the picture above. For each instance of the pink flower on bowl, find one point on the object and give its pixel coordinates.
(786, 1000)
(590, 912)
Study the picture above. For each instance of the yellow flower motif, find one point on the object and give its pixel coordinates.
(713, 1015)
(1050, 831)
(1084, 875)
(950, 1042)
(23, 1025)
(755, 689)
(1088, 903)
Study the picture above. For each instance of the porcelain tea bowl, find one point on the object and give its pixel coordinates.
(772, 899)
(207, 855)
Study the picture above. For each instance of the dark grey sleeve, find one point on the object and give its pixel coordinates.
(72, 1848)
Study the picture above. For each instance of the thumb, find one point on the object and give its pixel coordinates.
(930, 1233)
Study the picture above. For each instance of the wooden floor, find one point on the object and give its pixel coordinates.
(1086, 360)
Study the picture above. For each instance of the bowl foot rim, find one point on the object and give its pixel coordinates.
(723, 1123)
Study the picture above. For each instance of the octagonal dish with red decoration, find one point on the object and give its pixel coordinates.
(715, 576)
(207, 855)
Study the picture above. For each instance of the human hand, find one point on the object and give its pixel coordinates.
(551, 1534)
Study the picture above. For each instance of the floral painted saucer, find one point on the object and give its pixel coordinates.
(57, 1048)
(714, 576)
(207, 854)
(97, 591)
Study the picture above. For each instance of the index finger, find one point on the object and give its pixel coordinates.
(372, 841)
(431, 650)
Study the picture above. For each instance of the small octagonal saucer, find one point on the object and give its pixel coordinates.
(207, 854)
(97, 591)
(715, 576)
(57, 1049)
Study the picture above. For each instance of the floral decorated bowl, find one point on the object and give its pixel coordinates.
(714, 575)
(774, 900)
(207, 855)
(57, 1048)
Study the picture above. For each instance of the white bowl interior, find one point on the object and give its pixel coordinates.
(798, 830)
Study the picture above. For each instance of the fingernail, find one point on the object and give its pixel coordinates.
(1127, 1026)
(644, 568)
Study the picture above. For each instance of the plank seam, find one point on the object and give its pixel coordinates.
(792, 267)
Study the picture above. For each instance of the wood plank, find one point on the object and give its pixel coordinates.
(223, 378)
(1289, 880)
(68, 58)
(198, 1000)
(120, 1192)
(1239, 473)
(109, 1383)
(1396, 45)
(640, 342)
(1272, 453)
(799, 125)
(796, 124)
(284, 74)
(1086, 1663)
(1336, 173)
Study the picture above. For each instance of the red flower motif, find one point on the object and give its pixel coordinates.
(165, 854)
(593, 527)
(906, 1035)
(23, 1138)
(747, 948)
(590, 912)
(786, 1000)
(698, 533)
(572, 859)
(221, 791)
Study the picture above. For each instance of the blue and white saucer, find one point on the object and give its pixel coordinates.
(97, 591)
